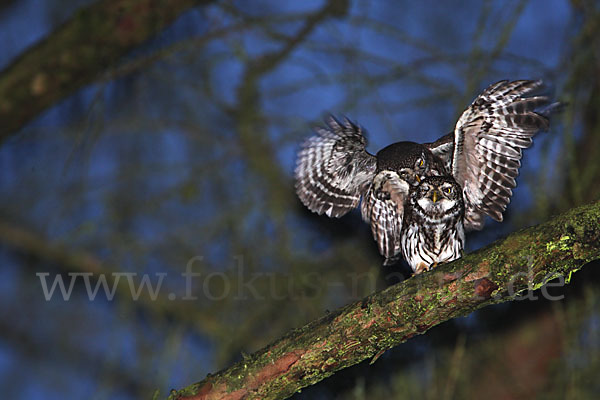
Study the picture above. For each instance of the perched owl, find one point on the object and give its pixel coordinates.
(399, 167)
(433, 231)
(483, 155)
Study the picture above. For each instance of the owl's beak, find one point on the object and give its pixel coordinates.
(418, 179)
(434, 196)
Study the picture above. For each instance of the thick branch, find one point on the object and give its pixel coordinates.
(77, 53)
(525, 260)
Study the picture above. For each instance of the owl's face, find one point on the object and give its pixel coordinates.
(415, 169)
(411, 161)
(437, 196)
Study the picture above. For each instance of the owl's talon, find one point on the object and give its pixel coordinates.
(421, 267)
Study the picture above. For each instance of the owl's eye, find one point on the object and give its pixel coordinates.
(421, 163)
(449, 190)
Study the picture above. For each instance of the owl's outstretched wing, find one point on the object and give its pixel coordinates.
(383, 208)
(334, 169)
(488, 141)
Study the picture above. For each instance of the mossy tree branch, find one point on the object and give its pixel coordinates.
(525, 260)
(79, 51)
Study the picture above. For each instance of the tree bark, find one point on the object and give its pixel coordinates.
(524, 261)
(92, 41)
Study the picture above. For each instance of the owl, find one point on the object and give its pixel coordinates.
(334, 170)
(433, 230)
(399, 167)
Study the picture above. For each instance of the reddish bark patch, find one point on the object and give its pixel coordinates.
(452, 286)
(237, 395)
(278, 367)
(266, 374)
(210, 392)
(484, 288)
(449, 277)
(205, 389)
(369, 324)
(451, 301)
(482, 272)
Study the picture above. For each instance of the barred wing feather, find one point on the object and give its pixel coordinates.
(488, 141)
(334, 169)
(383, 208)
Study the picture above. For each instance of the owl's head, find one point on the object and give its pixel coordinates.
(437, 196)
(411, 161)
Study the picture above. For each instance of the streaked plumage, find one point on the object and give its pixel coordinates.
(399, 166)
(483, 155)
(484, 151)
(433, 230)
(334, 170)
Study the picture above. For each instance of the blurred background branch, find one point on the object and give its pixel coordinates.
(77, 53)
